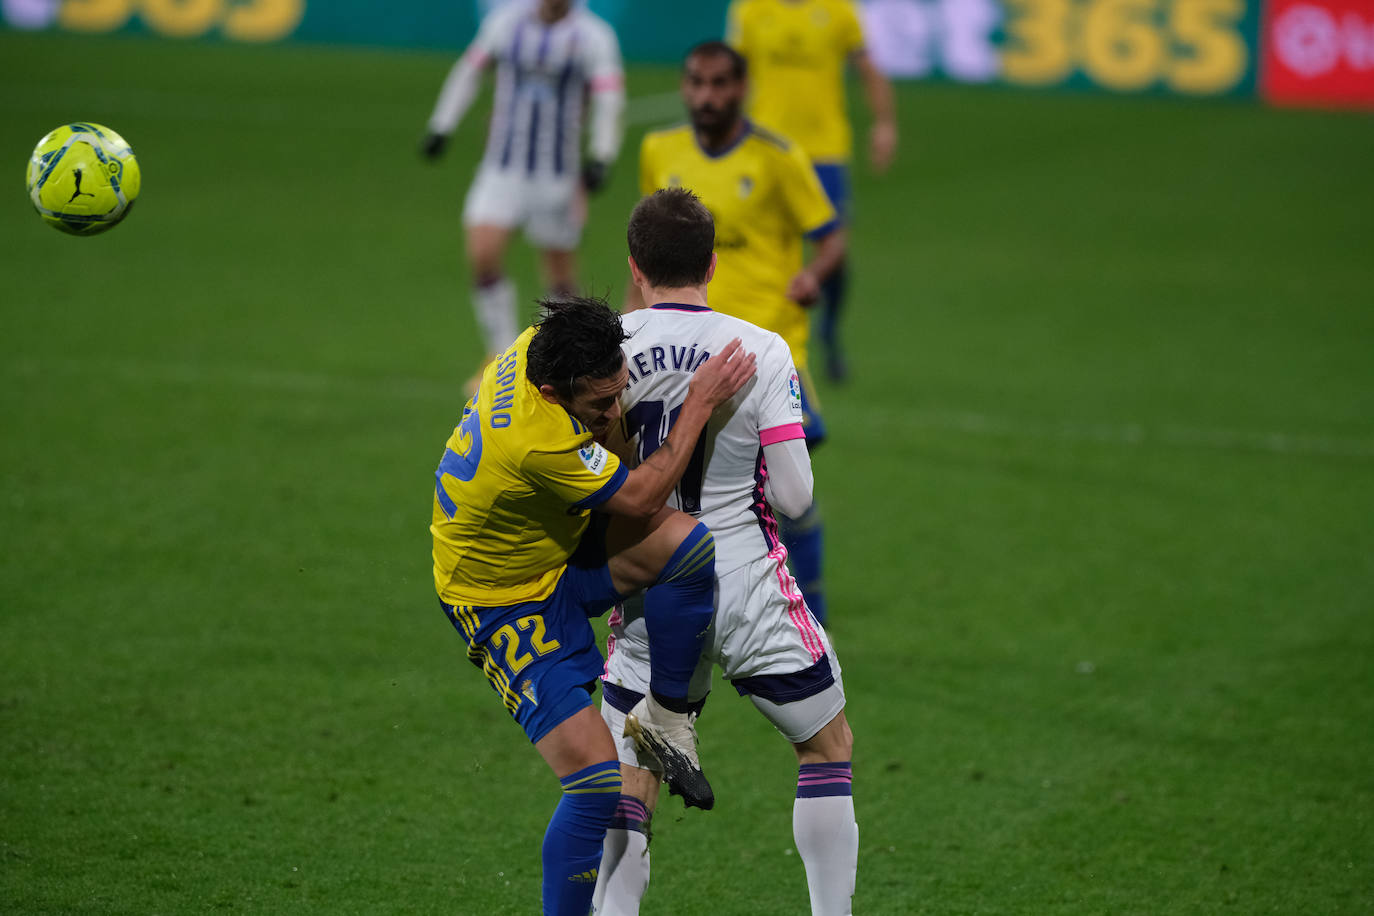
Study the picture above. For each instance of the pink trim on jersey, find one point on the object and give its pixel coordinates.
(609, 82)
(796, 605)
(477, 58)
(784, 433)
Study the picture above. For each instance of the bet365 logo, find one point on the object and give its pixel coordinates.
(1196, 47)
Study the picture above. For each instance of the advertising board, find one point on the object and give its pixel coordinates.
(1188, 47)
(1288, 51)
(1319, 52)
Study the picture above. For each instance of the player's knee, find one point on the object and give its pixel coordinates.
(590, 795)
(832, 744)
(844, 741)
(694, 560)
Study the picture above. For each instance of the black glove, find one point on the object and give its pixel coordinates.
(433, 145)
(595, 174)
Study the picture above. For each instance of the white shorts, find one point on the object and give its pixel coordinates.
(551, 210)
(765, 641)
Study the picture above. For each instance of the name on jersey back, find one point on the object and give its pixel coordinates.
(661, 359)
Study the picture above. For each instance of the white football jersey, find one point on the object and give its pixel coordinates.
(544, 74)
(723, 485)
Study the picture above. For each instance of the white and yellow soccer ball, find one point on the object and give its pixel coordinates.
(83, 178)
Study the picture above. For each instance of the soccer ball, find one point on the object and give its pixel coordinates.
(83, 178)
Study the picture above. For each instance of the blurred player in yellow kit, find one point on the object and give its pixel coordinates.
(797, 52)
(766, 200)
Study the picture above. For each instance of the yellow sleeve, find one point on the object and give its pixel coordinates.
(850, 28)
(583, 479)
(806, 200)
(646, 166)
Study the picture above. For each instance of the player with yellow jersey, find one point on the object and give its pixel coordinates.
(524, 474)
(766, 200)
(521, 563)
(762, 192)
(798, 52)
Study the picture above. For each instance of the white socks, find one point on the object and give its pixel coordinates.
(494, 304)
(624, 873)
(823, 828)
(828, 839)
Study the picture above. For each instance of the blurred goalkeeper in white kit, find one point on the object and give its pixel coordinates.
(552, 58)
(751, 457)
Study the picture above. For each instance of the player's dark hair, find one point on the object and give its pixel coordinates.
(575, 337)
(671, 234)
(739, 67)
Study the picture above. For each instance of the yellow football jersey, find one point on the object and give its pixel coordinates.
(765, 197)
(797, 51)
(514, 490)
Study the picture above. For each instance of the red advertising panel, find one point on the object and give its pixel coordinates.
(1319, 52)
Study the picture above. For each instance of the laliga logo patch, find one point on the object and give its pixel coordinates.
(794, 390)
(594, 457)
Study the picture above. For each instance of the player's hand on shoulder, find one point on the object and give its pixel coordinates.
(595, 174)
(725, 373)
(432, 147)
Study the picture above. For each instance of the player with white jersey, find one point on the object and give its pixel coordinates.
(550, 57)
(751, 457)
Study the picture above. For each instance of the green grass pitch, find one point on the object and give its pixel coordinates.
(1100, 501)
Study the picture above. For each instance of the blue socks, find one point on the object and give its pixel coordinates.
(572, 842)
(677, 611)
(804, 539)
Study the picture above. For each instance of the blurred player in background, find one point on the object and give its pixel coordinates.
(751, 457)
(549, 55)
(765, 198)
(521, 563)
(797, 51)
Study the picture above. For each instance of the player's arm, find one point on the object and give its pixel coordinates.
(605, 130)
(815, 218)
(789, 484)
(882, 135)
(781, 434)
(827, 255)
(455, 98)
(647, 487)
